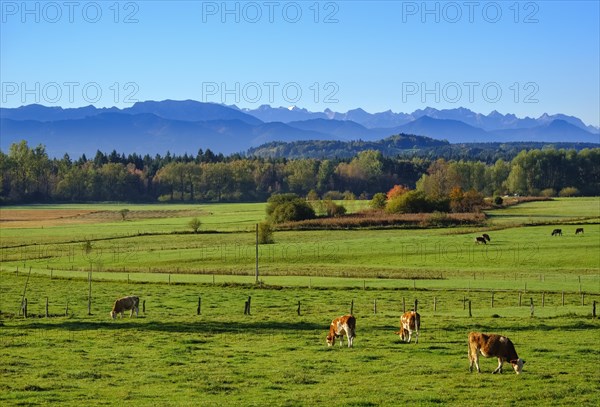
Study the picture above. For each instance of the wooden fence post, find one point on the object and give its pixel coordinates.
(520, 295)
(67, 309)
(25, 308)
(403, 305)
(199, 310)
(434, 304)
(594, 309)
(127, 278)
(298, 308)
(375, 306)
(247, 307)
(543, 299)
(470, 314)
(352, 307)
(416, 304)
(531, 306)
(144, 306)
(46, 307)
(492, 299)
(464, 302)
(563, 298)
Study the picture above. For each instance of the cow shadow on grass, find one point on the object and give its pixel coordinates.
(258, 327)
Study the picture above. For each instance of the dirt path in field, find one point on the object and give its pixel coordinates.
(24, 218)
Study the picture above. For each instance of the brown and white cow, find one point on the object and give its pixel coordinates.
(480, 239)
(409, 322)
(344, 325)
(492, 345)
(125, 304)
(578, 231)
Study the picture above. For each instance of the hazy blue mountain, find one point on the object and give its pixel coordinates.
(554, 131)
(338, 129)
(190, 110)
(267, 113)
(445, 129)
(45, 113)
(186, 126)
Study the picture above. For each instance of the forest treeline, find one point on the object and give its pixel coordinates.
(28, 174)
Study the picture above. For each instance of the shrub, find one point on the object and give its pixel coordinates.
(568, 191)
(548, 192)
(379, 200)
(288, 207)
(334, 210)
(265, 233)
(195, 224)
(498, 200)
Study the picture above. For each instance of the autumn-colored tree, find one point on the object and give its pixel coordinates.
(396, 191)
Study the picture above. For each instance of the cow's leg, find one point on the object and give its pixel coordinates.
(350, 339)
(409, 335)
(474, 358)
(417, 336)
(499, 368)
(341, 340)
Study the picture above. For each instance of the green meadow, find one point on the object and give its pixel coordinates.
(171, 355)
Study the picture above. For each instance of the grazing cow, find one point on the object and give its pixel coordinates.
(345, 325)
(480, 239)
(492, 345)
(557, 232)
(486, 237)
(125, 304)
(578, 231)
(409, 322)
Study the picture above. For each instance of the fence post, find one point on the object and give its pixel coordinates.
(352, 307)
(364, 284)
(403, 305)
(520, 294)
(434, 304)
(127, 278)
(470, 314)
(416, 304)
(563, 298)
(531, 305)
(298, 308)
(199, 310)
(248, 302)
(594, 309)
(67, 309)
(25, 308)
(169, 278)
(46, 307)
(144, 306)
(464, 302)
(375, 306)
(543, 299)
(492, 299)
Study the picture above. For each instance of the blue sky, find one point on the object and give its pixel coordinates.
(526, 58)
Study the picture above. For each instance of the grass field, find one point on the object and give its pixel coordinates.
(171, 356)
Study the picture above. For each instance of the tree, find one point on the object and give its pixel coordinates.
(396, 191)
(265, 233)
(195, 224)
(379, 200)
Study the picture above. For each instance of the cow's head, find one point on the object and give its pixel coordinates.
(517, 364)
(330, 340)
(113, 314)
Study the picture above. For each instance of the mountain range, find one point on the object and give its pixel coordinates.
(185, 126)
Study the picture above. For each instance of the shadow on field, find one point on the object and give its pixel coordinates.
(200, 327)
